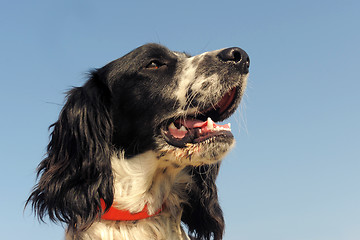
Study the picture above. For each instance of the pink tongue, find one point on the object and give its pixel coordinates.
(177, 133)
(194, 123)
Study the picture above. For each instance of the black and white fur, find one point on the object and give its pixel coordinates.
(110, 143)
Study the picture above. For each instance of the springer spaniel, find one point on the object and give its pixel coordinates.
(136, 150)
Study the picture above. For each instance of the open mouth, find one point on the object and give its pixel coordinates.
(193, 130)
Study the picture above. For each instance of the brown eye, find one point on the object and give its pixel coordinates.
(154, 65)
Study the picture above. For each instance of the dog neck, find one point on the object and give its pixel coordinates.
(145, 182)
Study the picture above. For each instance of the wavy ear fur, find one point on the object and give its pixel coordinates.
(76, 172)
(203, 214)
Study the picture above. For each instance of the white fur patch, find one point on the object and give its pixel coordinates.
(144, 179)
(187, 77)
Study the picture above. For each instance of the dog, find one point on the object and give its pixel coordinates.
(136, 149)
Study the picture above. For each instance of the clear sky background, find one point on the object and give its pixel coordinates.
(294, 173)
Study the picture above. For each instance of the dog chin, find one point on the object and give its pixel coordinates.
(209, 151)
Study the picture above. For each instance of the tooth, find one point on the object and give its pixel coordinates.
(229, 124)
(172, 126)
(183, 129)
(210, 124)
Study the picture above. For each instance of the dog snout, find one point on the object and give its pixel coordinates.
(237, 56)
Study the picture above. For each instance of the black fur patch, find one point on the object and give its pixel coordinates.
(123, 107)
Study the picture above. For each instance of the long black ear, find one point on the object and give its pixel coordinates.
(203, 214)
(76, 172)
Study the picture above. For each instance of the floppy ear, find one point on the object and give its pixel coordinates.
(76, 172)
(203, 214)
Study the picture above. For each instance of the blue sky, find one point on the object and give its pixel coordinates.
(294, 173)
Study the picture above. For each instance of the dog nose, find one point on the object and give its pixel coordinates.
(237, 56)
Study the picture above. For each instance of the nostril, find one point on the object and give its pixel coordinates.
(230, 55)
(236, 56)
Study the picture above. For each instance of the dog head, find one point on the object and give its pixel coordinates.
(168, 101)
(150, 99)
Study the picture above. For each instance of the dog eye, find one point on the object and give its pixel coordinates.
(154, 65)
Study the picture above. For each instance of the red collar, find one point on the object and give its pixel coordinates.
(115, 214)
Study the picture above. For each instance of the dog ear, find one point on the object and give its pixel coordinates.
(203, 214)
(76, 172)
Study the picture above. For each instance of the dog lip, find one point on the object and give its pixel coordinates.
(226, 101)
(193, 131)
(224, 107)
(196, 136)
(196, 128)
